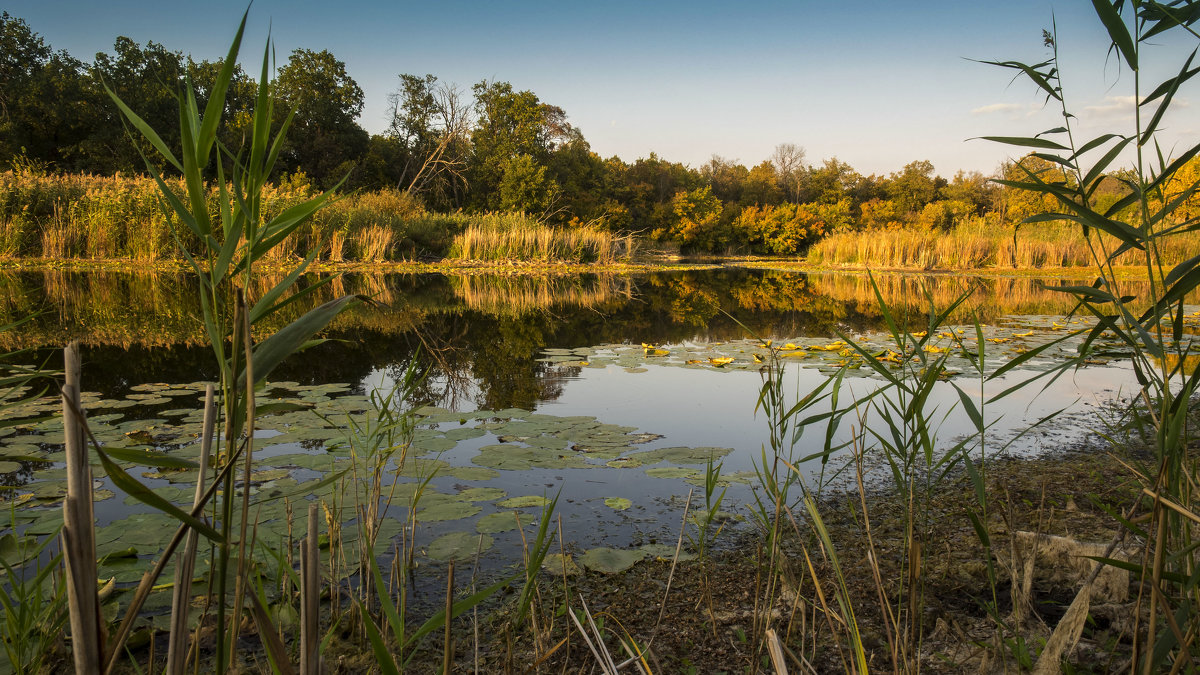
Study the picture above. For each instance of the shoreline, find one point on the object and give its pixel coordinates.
(553, 268)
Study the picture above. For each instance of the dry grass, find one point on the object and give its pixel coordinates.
(61, 216)
(980, 244)
(515, 236)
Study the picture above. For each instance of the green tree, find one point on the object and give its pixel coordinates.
(510, 123)
(762, 186)
(326, 140)
(915, 186)
(582, 175)
(149, 80)
(524, 186)
(697, 221)
(23, 54)
(429, 124)
(43, 113)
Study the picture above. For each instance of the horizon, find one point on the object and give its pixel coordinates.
(687, 82)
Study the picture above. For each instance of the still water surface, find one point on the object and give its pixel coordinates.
(583, 373)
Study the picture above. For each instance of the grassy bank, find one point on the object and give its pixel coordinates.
(87, 217)
(980, 246)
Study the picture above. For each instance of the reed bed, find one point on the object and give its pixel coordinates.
(84, 216)
(516, 236)
(980, 245)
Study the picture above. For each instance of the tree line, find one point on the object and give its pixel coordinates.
(486, 149)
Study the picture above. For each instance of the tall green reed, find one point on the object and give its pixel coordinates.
(1145, 223)
(234, 235)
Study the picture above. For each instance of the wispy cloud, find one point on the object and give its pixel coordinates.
(1009, 109)
(1113, 107)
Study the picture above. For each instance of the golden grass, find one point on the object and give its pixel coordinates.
(982, 244)
(515, 236)
(63, 216)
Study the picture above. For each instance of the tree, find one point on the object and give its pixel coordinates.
(972, 188)
(761, 187)
(915, 186)
(43, 112)
(23, 54)
(326, 140)
(828, 184)
(429, 121)
(788, 160)
(149, 80)
(697, 223)
(725, 177)
(510, 123)
(524, 186)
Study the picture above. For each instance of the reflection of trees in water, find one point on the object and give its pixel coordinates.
(19, 477)
(521, 294)
(994, 297)
(480, 337)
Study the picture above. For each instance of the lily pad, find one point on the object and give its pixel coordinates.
(667, 552)
(499, 522)
(557, 563)
(611, 560)
(447, 511)
(472, 473)
(679, 455)
(458, 546)
(672, 472)
(617, 503)
(481, 494)
(528, 501)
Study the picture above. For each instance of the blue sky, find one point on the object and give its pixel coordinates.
(877, 84)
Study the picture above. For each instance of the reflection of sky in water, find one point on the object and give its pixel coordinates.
(699, 407)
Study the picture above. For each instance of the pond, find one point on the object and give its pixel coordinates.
(612, 391)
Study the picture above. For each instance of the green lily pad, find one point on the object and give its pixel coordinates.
(458, 546)
(611, 560)
(672, 472)
(679, 455)
(9, 467)
(499, 522)
(464, 433)
(617, 503)
(516, 458)
(529, 501)
(624, 463)
(481, 494)
(447, 511)
(472, 473)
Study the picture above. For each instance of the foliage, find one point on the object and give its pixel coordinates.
(234, 236)
(1144, 223)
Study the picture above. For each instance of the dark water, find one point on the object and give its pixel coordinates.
(565, 347)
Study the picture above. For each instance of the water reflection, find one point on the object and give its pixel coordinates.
(479, 335)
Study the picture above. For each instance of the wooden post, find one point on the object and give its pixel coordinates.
(310, 597)
(78, 533)
(181, 596)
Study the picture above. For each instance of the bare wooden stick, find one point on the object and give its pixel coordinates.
(775, 649)
(79, 536)
(310, 596)
(180, 602)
